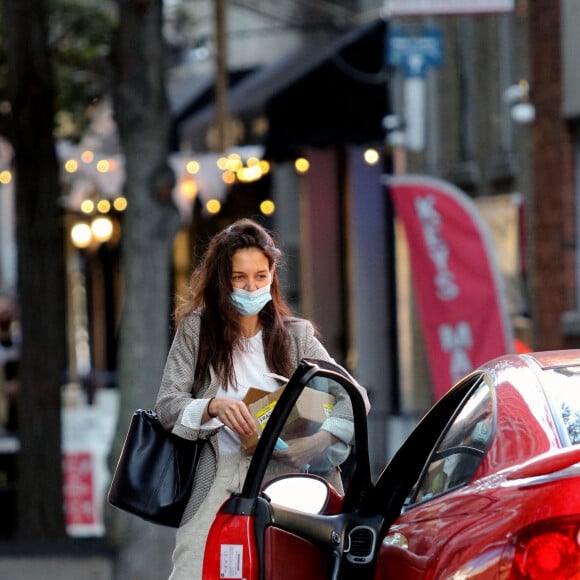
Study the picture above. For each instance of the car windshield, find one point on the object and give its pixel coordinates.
(562, 387)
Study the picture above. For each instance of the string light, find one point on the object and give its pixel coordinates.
(71, 166)
(102, 229)
(120, 203)
(228, 177)
(103, 166)
(104, 206)
(267, 207)
(213, 206)
(233, 168)
(81, 235)
(88, 206)
(371, 156)
(192, 167)
(302, 165)
(87, 156)
(188, 187)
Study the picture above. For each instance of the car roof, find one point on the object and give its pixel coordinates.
(555, 358)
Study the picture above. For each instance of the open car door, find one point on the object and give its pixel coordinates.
(297, 521)
(293, 520)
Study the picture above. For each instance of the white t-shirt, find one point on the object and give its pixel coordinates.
(251, 370)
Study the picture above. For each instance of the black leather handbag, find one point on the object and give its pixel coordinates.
(155, 471)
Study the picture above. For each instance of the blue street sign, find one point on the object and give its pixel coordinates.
(414, 53)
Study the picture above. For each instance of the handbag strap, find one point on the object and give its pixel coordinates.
(199, 382)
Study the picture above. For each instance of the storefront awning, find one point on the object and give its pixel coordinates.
(318, 95)
(189, 95)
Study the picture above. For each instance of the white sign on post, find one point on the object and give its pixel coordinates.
(419, 7)
(415, 113)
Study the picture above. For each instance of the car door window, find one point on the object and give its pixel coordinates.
(561, 386)
(318, 435)
(461, 447)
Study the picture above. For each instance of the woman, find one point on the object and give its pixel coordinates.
(234, 330)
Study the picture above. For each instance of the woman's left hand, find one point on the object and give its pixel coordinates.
(304, 451)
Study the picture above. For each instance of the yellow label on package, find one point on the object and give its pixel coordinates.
(327, 409)
(264, 414)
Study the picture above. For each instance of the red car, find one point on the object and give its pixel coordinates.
(487, 486)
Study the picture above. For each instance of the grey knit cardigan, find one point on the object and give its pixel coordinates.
(177, 388)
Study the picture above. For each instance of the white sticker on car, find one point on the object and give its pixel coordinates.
(231, 561)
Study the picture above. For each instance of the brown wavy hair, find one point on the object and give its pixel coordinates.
(209, 292)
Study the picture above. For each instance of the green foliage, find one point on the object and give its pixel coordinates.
(80, 39)
(80, 34)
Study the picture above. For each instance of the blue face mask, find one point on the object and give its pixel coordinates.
(481, 433)
(250, 303)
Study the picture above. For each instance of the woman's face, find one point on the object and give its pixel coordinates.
(250, 269)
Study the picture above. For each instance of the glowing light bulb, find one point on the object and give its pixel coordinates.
(188, 188)
(71, 166)
(371, 156)
(88, 206)
(302, 165)
(267, 207)
(102, 229)
(104, 206)
(120, 203)
(213, 206)
(81, 235)
(192, 167)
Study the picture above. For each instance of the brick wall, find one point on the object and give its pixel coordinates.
(552, 228)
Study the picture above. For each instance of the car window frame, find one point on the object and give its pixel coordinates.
(472, 384)
(361, 485)
(402, 472)
(560, 423)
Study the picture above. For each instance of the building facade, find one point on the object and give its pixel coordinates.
(554, 29)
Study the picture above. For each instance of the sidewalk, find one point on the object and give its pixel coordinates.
(23, 568)
(58, 560)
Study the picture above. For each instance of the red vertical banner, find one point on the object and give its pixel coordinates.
(459, 290)
(79, 489)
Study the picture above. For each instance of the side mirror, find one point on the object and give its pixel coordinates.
(301, 492)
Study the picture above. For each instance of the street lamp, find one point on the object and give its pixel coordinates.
(517, 97)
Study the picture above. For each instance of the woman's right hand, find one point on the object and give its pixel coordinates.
(233, 414)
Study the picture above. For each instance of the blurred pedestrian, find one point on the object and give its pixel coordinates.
(9, 360)
(234, 330)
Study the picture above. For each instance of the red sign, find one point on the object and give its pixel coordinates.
(79, 489)
(418, 7)
(458, 286)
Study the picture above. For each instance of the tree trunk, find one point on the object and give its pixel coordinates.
(41, 272)
(150, 223)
